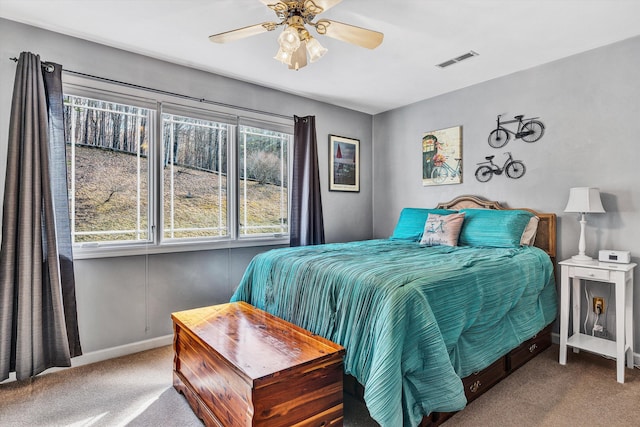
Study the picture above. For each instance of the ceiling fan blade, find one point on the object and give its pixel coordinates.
(279, 7)
(349, 33)
(241, 33)
(323, 4)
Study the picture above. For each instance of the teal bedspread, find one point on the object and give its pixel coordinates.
(413, 320)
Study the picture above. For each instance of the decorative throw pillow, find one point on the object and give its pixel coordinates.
(411, 223)
(494, 228)
(442, 230)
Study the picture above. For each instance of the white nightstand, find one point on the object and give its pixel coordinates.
(621, 276)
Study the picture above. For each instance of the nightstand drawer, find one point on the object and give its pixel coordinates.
(589, 273)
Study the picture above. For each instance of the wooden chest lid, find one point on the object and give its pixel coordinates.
(255, 342)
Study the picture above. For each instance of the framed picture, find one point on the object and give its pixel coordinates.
(442, 156)
(344, 164)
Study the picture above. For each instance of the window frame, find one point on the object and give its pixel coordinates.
(160, 103)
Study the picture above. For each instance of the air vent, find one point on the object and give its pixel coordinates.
(462, 57)
(446, 64)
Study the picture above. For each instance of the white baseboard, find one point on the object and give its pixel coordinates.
(122, 350)
(555, 338)
(108, 353)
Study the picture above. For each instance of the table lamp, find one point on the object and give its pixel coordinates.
(583, 200)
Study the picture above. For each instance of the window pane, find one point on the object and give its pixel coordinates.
(108, 178)
(263, 191)
(195, 177)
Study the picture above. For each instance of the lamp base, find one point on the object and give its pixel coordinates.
(582, 259)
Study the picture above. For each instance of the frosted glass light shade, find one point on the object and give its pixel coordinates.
(584, 200)
(283, 56)
(315, 49)
(289, 40)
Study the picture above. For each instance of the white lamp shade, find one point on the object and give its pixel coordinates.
(584, 200)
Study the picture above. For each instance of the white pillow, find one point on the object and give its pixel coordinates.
(529, 234)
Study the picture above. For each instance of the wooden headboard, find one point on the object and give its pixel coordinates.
(546, 236)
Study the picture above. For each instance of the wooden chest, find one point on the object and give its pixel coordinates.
(240, 366)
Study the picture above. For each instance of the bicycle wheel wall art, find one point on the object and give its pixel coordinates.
(529, 130)
(442, 156)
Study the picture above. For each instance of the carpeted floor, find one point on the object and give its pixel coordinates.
(136, 390)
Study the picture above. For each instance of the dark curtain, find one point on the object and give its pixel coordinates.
(307, 227)
(52, 74)
(36, 266)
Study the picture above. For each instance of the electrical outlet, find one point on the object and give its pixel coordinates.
(598, 305)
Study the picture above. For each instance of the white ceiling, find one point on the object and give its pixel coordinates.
(509, 35)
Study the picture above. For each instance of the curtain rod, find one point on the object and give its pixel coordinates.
(49, 68)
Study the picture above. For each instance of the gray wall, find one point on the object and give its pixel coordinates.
(125, 300)
(590, 106)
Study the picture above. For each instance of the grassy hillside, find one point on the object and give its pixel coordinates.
(108, 191)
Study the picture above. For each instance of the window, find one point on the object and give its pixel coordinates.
(263, 181)
(196, 177)
(108, 170)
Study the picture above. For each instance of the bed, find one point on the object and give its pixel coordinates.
(426, 326)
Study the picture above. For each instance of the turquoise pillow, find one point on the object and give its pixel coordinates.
(494, 228)
(411, 223)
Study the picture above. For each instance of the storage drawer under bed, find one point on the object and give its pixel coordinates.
(479, 382)
(529, 349)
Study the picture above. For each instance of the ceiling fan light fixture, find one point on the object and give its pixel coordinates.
(295, 42)
(289, 40)
(315, 49)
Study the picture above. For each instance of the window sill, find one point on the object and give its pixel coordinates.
(80, 253)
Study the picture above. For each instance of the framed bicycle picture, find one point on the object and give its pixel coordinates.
(442, 156)
(344, 164)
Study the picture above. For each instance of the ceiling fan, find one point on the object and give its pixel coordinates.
(295, 41)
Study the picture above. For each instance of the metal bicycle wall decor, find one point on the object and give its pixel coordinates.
(512, 168)
(529, 130)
